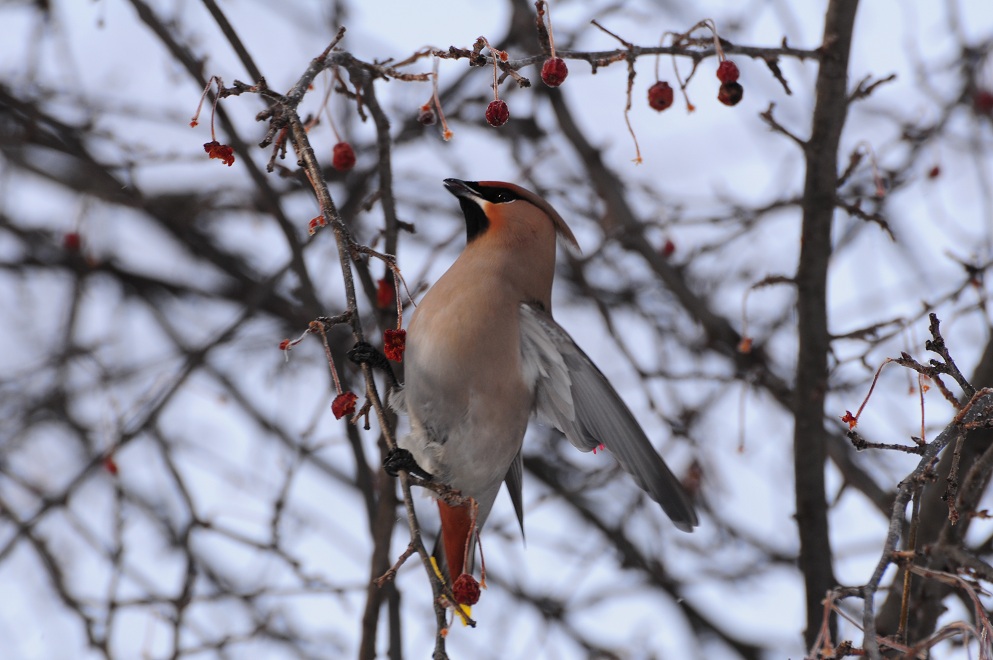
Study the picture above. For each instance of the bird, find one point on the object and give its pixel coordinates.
(484, 355)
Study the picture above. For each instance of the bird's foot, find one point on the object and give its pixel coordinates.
(365, 353)
(401, 459)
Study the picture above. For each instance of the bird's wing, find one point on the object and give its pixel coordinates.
(573, 395)
(515, 485)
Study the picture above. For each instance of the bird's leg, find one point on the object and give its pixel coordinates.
(400, 459)
(397, 459)
(365, 353)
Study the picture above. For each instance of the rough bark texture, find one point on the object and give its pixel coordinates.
(819, 194)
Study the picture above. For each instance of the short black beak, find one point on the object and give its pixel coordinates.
(461, 188)
(476, 221)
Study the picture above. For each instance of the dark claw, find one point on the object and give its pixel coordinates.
(401, 459)
(365, 353)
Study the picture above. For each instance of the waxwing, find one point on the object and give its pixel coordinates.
(483, 354)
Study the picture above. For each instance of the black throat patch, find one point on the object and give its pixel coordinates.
(476, 222)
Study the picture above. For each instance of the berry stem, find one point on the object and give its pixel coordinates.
(396, 294)
(876, 178)
(496, 54)
(318, 327)
(327, 106)
(399, 276)
(446, 133)
(682, 86)
(659, 56)
(627, 112)
(482, 562)
(213, 107)
(551, 37)
(712, 26)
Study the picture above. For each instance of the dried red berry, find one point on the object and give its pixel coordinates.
(554, 71)
(982, 102)
(394, 343)
(384, 293)
(343, 404)
(730, 93)
(466, 590)
(284, 345)
(660, 96)
(221, 152)
(343, 157)
(668, 248)
(314, 224)
(727, 72)
(71, 241)
(110, 465)
(934, 172)
(426, 116)
(497, 113)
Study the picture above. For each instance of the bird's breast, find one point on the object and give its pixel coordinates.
(465, 390)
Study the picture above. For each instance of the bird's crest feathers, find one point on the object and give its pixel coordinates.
(501, 192)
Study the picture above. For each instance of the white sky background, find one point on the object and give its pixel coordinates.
(700, 161)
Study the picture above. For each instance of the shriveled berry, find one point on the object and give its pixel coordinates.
(466, 590)
(343, 404)
(426, 116)
(384, 293)
(71, 242)
(314, 224)
(727, 72)
(660, 96)
(730, 93)
(343, 157)
(394, 343)
(221, 152)
(554, 71)
(497, 113)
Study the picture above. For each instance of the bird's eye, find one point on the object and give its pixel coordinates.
(501, 196)
(498, 195)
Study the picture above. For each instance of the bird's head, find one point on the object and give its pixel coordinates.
(507, 212)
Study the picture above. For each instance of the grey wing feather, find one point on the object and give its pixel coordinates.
(575, 397)
(515, 485)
